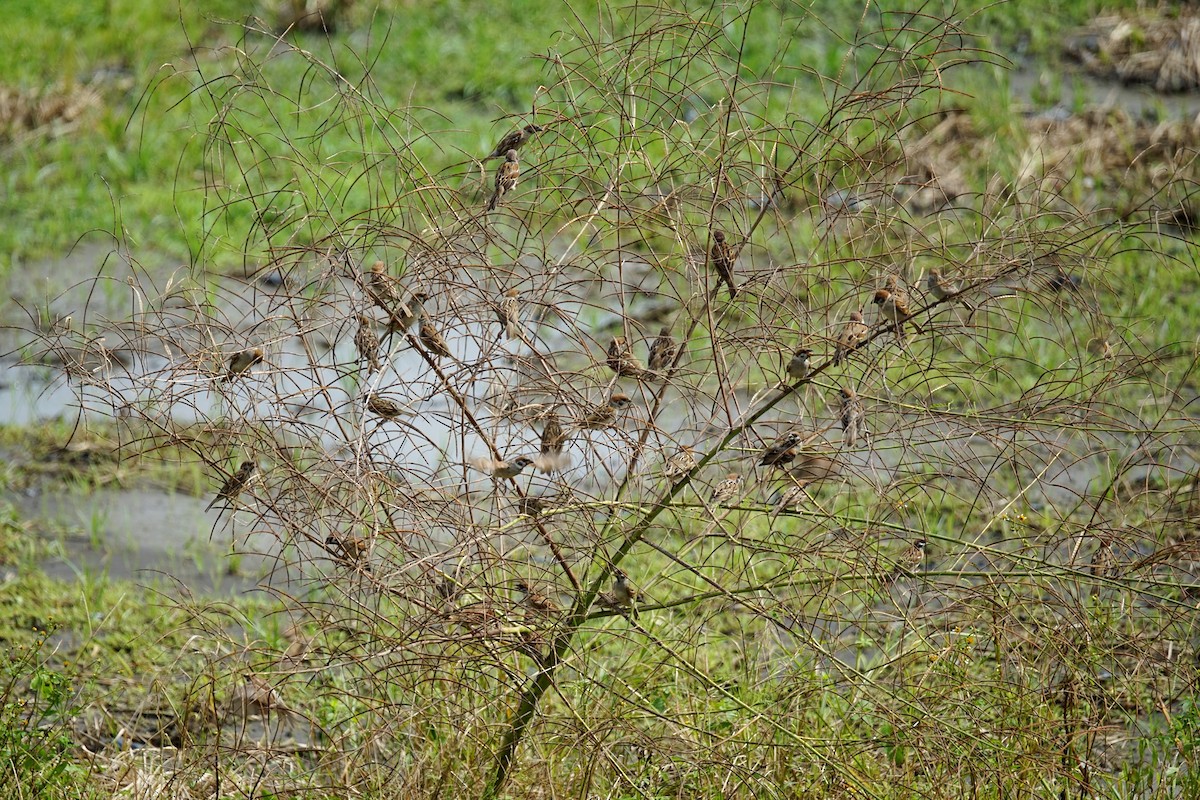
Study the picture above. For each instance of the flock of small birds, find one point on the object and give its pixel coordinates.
(788, 456)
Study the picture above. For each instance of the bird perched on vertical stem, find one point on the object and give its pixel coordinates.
(853, 334)
(621, 359)
(851, 414)
(798, 366)
(234, 485)
(727, 489)
(894, 308)
(432, 339)
(723, 255)
(241, 361)
(513, 140)
(662, 354)
(506, 178)
(509, 314)
(551, 456)
(367, 344)
(605, 415)
(381, 288)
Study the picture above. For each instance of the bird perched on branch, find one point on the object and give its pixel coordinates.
(241, 361)
(506, 178)
(535, 601)
(798, 366)
(431, 338)
(850, 413)
(350, 550)
(781, 452)
(381, 288)
(727, 489)
(509, 314)
(894, 308)
(623, 596)
(235, 484)
(513, 140)
(554, 438)
(939, 287)
(853, 334)
(723, 255)
(622, 361)
(367, 344)
(680, 464)
(502, 470)
(662, 354)
(378, 404)
(605, 415)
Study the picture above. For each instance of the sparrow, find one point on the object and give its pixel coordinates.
(381, 288)
(853, 334)
(378, 404)
(939, 287)
(680, 464)
(368, 345)
(605, 415)
(346, 548)
(621, 359)
(256, 696)
(514, 140)
(789, 500)
(797, 367)
(235, 484)
(623, 596)
(727, 489)
(808, 468)
(723, 256)
(509, 314)
(506, 178)
(432, 339)
(535, 601)
(911, 560)
(241, 361)
(894, 308)
(662, 353)
(502, 470)
(551, 456)
(781, 452)
(851, 415)
(532, 506)
(402, 317)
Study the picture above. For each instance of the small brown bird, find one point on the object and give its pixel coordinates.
(605, 415)
(809, 468)
(727, 489)
(351, 550)
(535, 601)
(235, 484)
(506, 178)
(723, 255)
(382, 289)
(851, 416)
(798, 366)
(894, 308)
(781, 452)
(623, 594)
(378, 404)
(621, 359)
(502, 470)
(789, 500)
(554, 438)
(241, 361)
(509, 314)
(939, 287)
(256, 697)
(432, 339)
(367, 344)
(402, 316)
(532, 505)
(680, 464)
(911, 560)
(853, 334)
(514, 140)
(662, 353)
